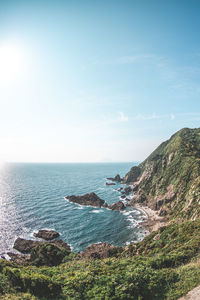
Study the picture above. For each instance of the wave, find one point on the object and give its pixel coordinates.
(95, 211)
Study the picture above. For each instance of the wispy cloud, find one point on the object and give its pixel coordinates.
(153, 116)
(143, 117)
(117, 118)
(122, 117)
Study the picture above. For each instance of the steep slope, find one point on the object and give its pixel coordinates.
(169, 179)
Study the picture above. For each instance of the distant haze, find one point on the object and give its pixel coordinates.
(96, 81)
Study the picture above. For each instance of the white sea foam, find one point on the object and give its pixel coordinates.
(95, 211)
(79, 207)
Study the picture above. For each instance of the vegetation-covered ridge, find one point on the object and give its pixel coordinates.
(165, 265)
(169, 179)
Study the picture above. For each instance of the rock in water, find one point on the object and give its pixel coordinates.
(47, 234)
(117, 178)
(117, 206)
(90, 199)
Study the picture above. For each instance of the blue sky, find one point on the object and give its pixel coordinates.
(96, 80)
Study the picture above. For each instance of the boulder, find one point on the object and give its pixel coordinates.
(110, 183)
(117, 206)
(90, 199)
(47, 234)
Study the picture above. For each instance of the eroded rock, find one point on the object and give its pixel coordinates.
(47, 234)
(117, 178)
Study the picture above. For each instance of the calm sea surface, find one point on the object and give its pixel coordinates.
(32, 197)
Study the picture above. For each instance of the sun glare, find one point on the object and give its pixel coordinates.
(12, 63)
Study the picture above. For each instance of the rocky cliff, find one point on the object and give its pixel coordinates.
(169, 179)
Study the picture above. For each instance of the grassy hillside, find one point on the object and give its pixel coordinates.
(165, 265)
(169, 179)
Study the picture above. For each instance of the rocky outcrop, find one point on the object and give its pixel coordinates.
(127, 190)
(117, 206)
(99, 251)
(139, 197)
(20, 259)
(47, 234)
(25, 246)
(93, 200)
(169, 179)
(90, 199)
(61, 244)
(132, 175)
(40, 253)
(117, 178)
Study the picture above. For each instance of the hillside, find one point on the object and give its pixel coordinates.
(169, 179)
(164, 266)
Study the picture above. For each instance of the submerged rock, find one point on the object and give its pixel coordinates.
(117, 206)
(90, 199)
(47, 234)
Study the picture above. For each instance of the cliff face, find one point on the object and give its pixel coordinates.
(169, 179)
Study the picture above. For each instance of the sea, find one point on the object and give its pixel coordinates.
(32, 197)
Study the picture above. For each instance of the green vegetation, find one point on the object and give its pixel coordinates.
(165, 265)
(170, 176)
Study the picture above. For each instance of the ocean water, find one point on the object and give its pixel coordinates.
(32, 198)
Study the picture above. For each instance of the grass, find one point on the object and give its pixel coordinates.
(166, 268)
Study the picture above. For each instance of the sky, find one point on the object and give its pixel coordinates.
(96, 81)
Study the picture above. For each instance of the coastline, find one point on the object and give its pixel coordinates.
(154, 221)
